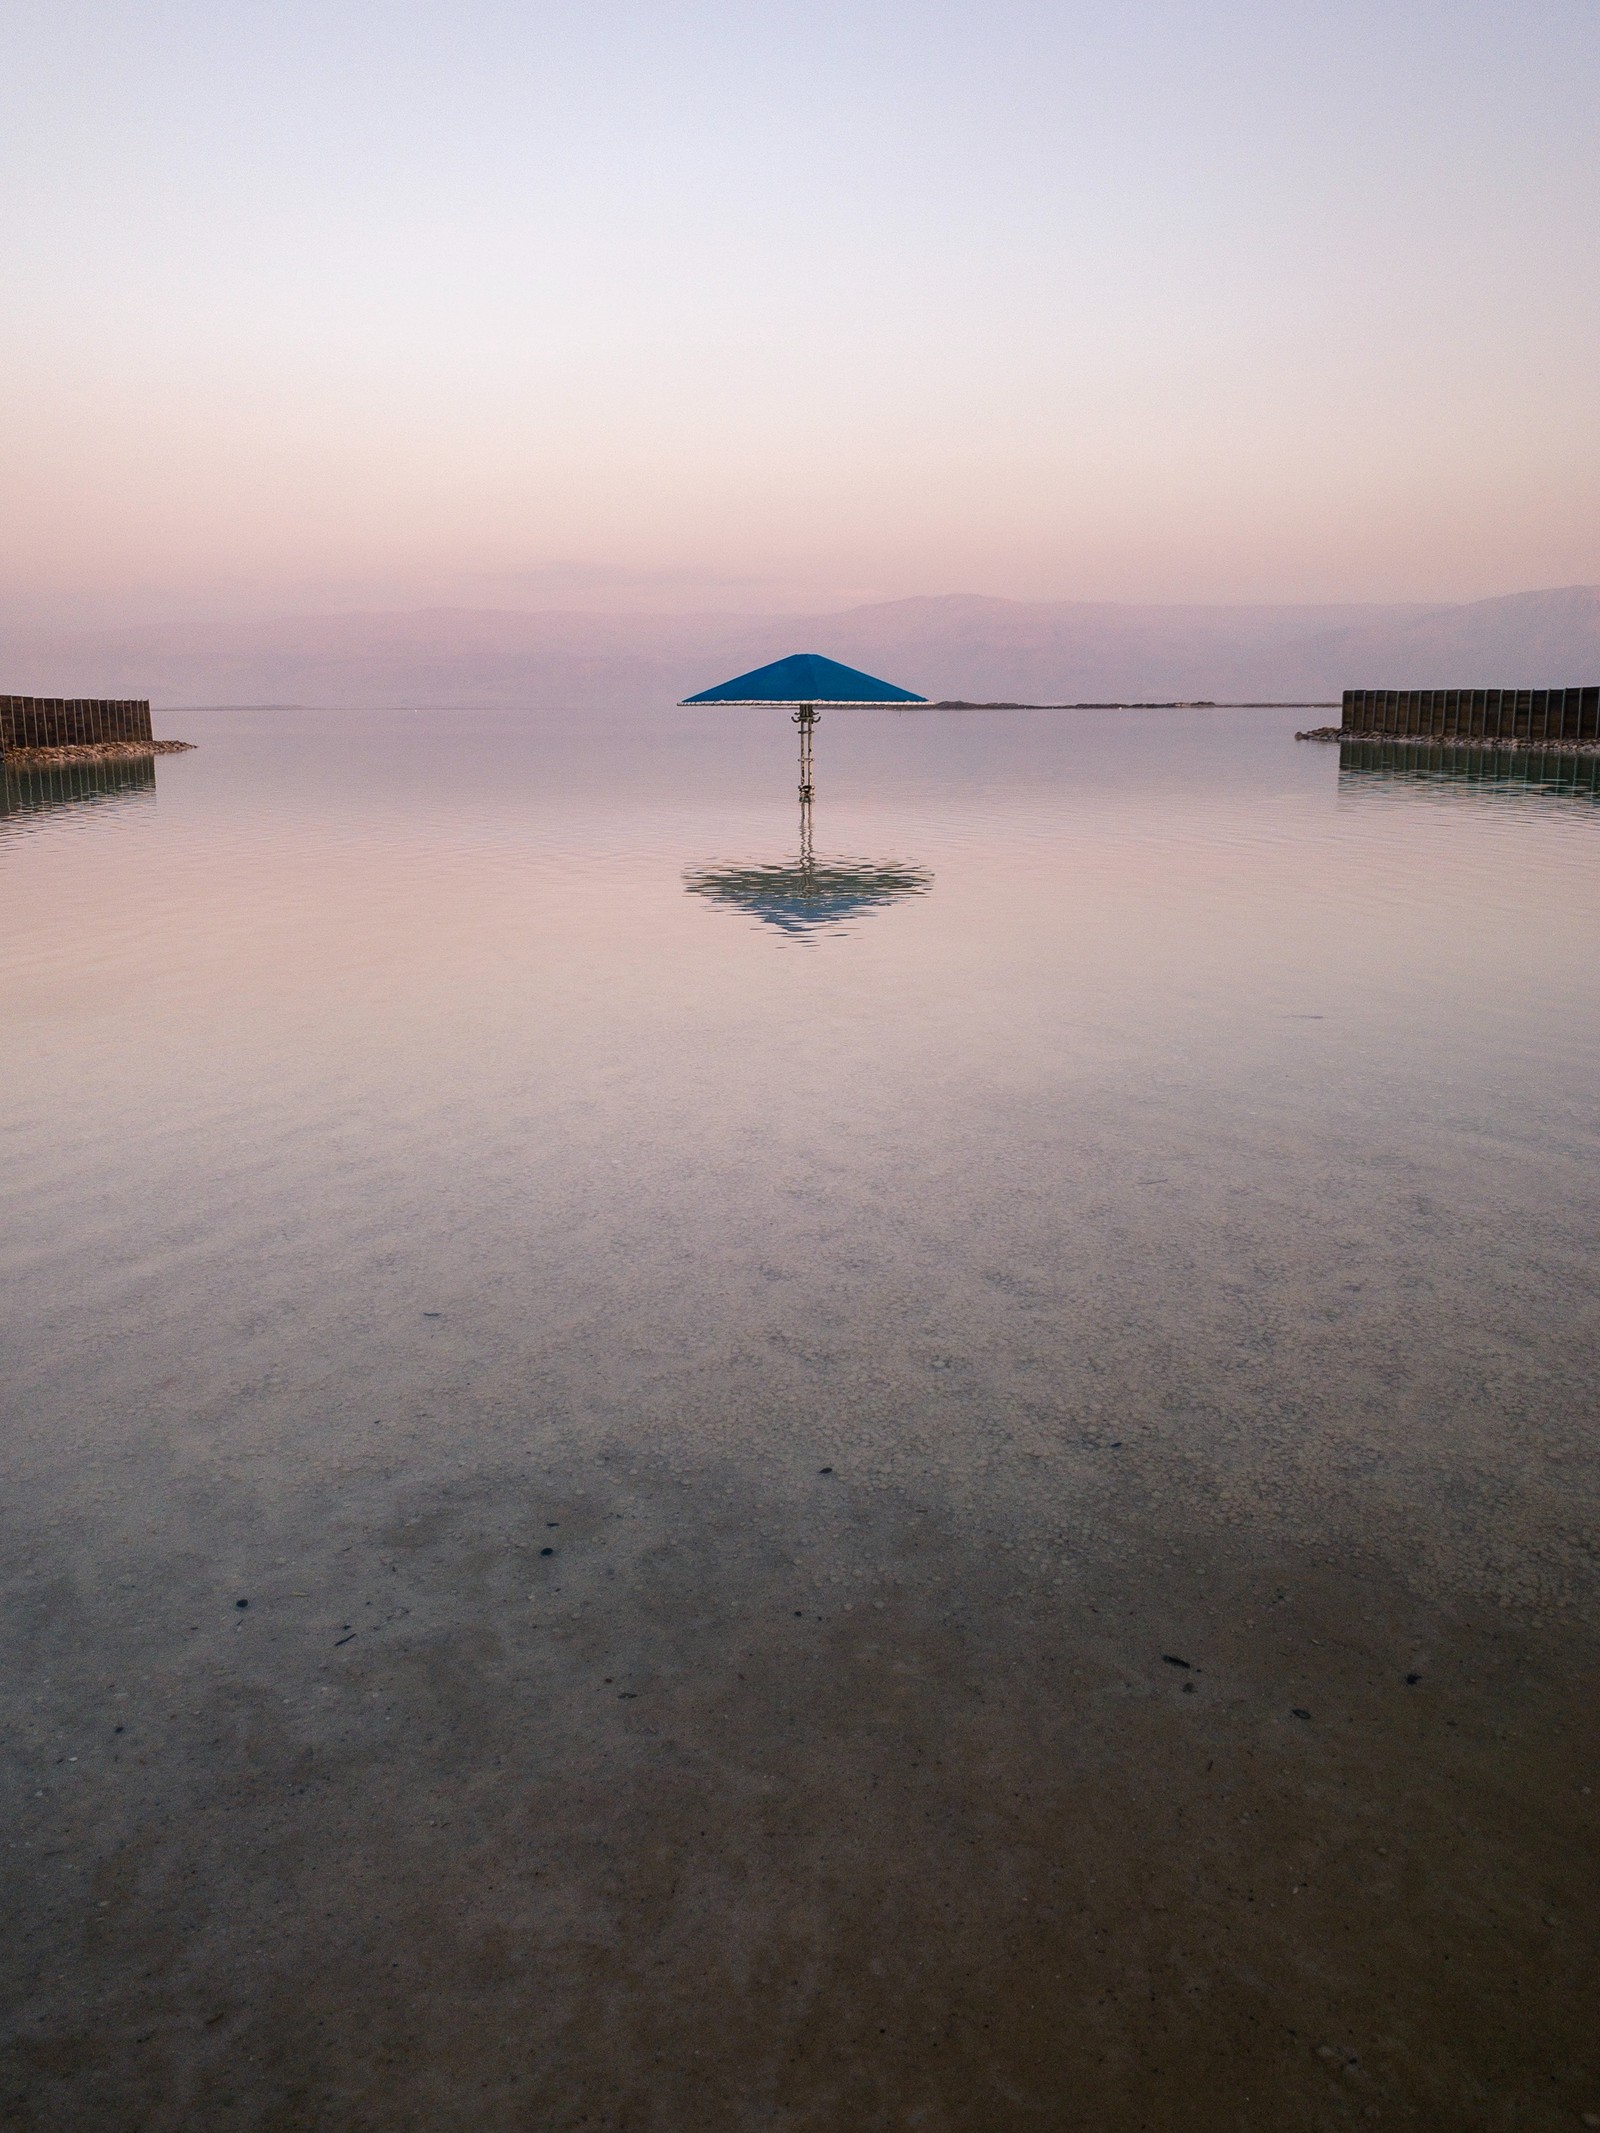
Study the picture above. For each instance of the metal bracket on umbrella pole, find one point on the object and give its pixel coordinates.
(806, 719)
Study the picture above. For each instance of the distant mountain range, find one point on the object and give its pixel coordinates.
(960, 646)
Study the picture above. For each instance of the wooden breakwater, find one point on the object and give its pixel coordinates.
(71, 721)
(1530, 716)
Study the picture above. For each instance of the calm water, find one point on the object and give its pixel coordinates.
(730, 1383)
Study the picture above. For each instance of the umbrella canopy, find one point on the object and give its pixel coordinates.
(805, 678)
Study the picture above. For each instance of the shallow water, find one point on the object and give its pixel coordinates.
(731, 1376)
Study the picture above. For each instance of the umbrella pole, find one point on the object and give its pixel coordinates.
(806, 719)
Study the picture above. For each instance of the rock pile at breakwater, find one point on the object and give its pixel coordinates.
(90, 752)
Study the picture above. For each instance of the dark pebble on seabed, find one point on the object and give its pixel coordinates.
(241, 1603)
(1298, 1713)
(1412, 1680)
(824, 1469)
(547, 1551)
(1170, 1660)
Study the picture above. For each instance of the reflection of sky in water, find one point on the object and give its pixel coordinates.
(1157, 1113)
(418, 1007)
(806, 896)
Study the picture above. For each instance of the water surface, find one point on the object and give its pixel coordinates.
(940, 1477)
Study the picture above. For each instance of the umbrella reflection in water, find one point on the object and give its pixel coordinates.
(807, 895)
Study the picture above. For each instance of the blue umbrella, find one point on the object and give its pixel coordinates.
(805, 679)
(803, 896)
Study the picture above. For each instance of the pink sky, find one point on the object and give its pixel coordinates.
(696, 306)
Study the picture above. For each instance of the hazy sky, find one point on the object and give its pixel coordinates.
(627, 302)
